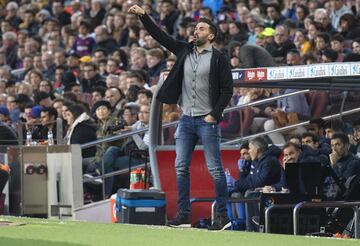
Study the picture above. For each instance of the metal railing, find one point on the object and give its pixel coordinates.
(174, 123)
(327, 204)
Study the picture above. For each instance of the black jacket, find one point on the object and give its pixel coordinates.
(220, 78)
(85, 132)
(252, 56)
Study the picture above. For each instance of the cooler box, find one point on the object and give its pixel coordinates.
(141, 207)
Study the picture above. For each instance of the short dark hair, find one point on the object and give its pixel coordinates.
(100, 89)
(212, 26)
(318, 121)
(76, 110)
(244, 146)
(51, 111)
(148, 93)
(342, 136)
(314, 138)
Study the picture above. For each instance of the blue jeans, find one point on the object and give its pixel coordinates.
(189, 131)
(114, 160)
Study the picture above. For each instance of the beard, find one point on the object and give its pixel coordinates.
(199, 41)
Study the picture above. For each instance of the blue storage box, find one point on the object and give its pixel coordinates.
(141, 207)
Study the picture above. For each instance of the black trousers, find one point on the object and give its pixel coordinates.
(4, 176)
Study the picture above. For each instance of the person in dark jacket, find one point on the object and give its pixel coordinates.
(265, 166)
(281, 45)
(201, 82)
(252, 56)
(343, 163)
(103, 40)
(81, 129)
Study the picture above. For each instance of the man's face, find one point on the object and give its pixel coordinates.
(59, 58)
(138, 61)
(143, 99)
(244, 153)
(253, 152)
(202, 34)
(45, 119)
(152, 61)
(77, 91)
(129, 118)
(271, 13)
(112, 96)
(291, 155)
(329, 133)
(89, 72)
(96, 96)
(356, 47)
(309, 142)
(100, 35)
(131, 20)
(337, 46)
(293, 59)
(322, 18)
(280, 35)
(58, 106)
(338, 147)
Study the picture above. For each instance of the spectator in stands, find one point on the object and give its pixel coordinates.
(81, 129)
(11, 15)
(58, 12)
(96, 13)
(84, 42)
(43, 98)
(103, 40)
(47, 122)
(337, 44)
(98, 94)
(302, 42)
(274, 17)
(328, 56)
(116, 98)
(349, 27)
(251, 21)
(131, 112)
(49, 66)
(29, 22)
(294, 104)
(138, 59)
(108, 124)
(322, 16)
(316, 126)
(322, 42)
(9, 45)
(281, 45)
(91, 77)
(130, 21)
(155, 62)
(35, 79)
(338, 9)
(253, 56)
(168, 15)
(144, 97)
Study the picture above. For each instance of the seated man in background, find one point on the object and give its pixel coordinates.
(343, 163)
(265, 170)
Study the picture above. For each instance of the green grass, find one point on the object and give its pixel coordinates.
(53, 233)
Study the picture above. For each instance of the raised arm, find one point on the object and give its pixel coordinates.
(159, 35)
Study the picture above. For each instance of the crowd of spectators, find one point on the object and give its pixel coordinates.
(91, 64)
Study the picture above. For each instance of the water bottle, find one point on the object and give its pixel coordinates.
(28, 137)
(229, 179)
(50, 137)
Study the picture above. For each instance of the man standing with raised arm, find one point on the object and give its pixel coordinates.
(201, 83)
